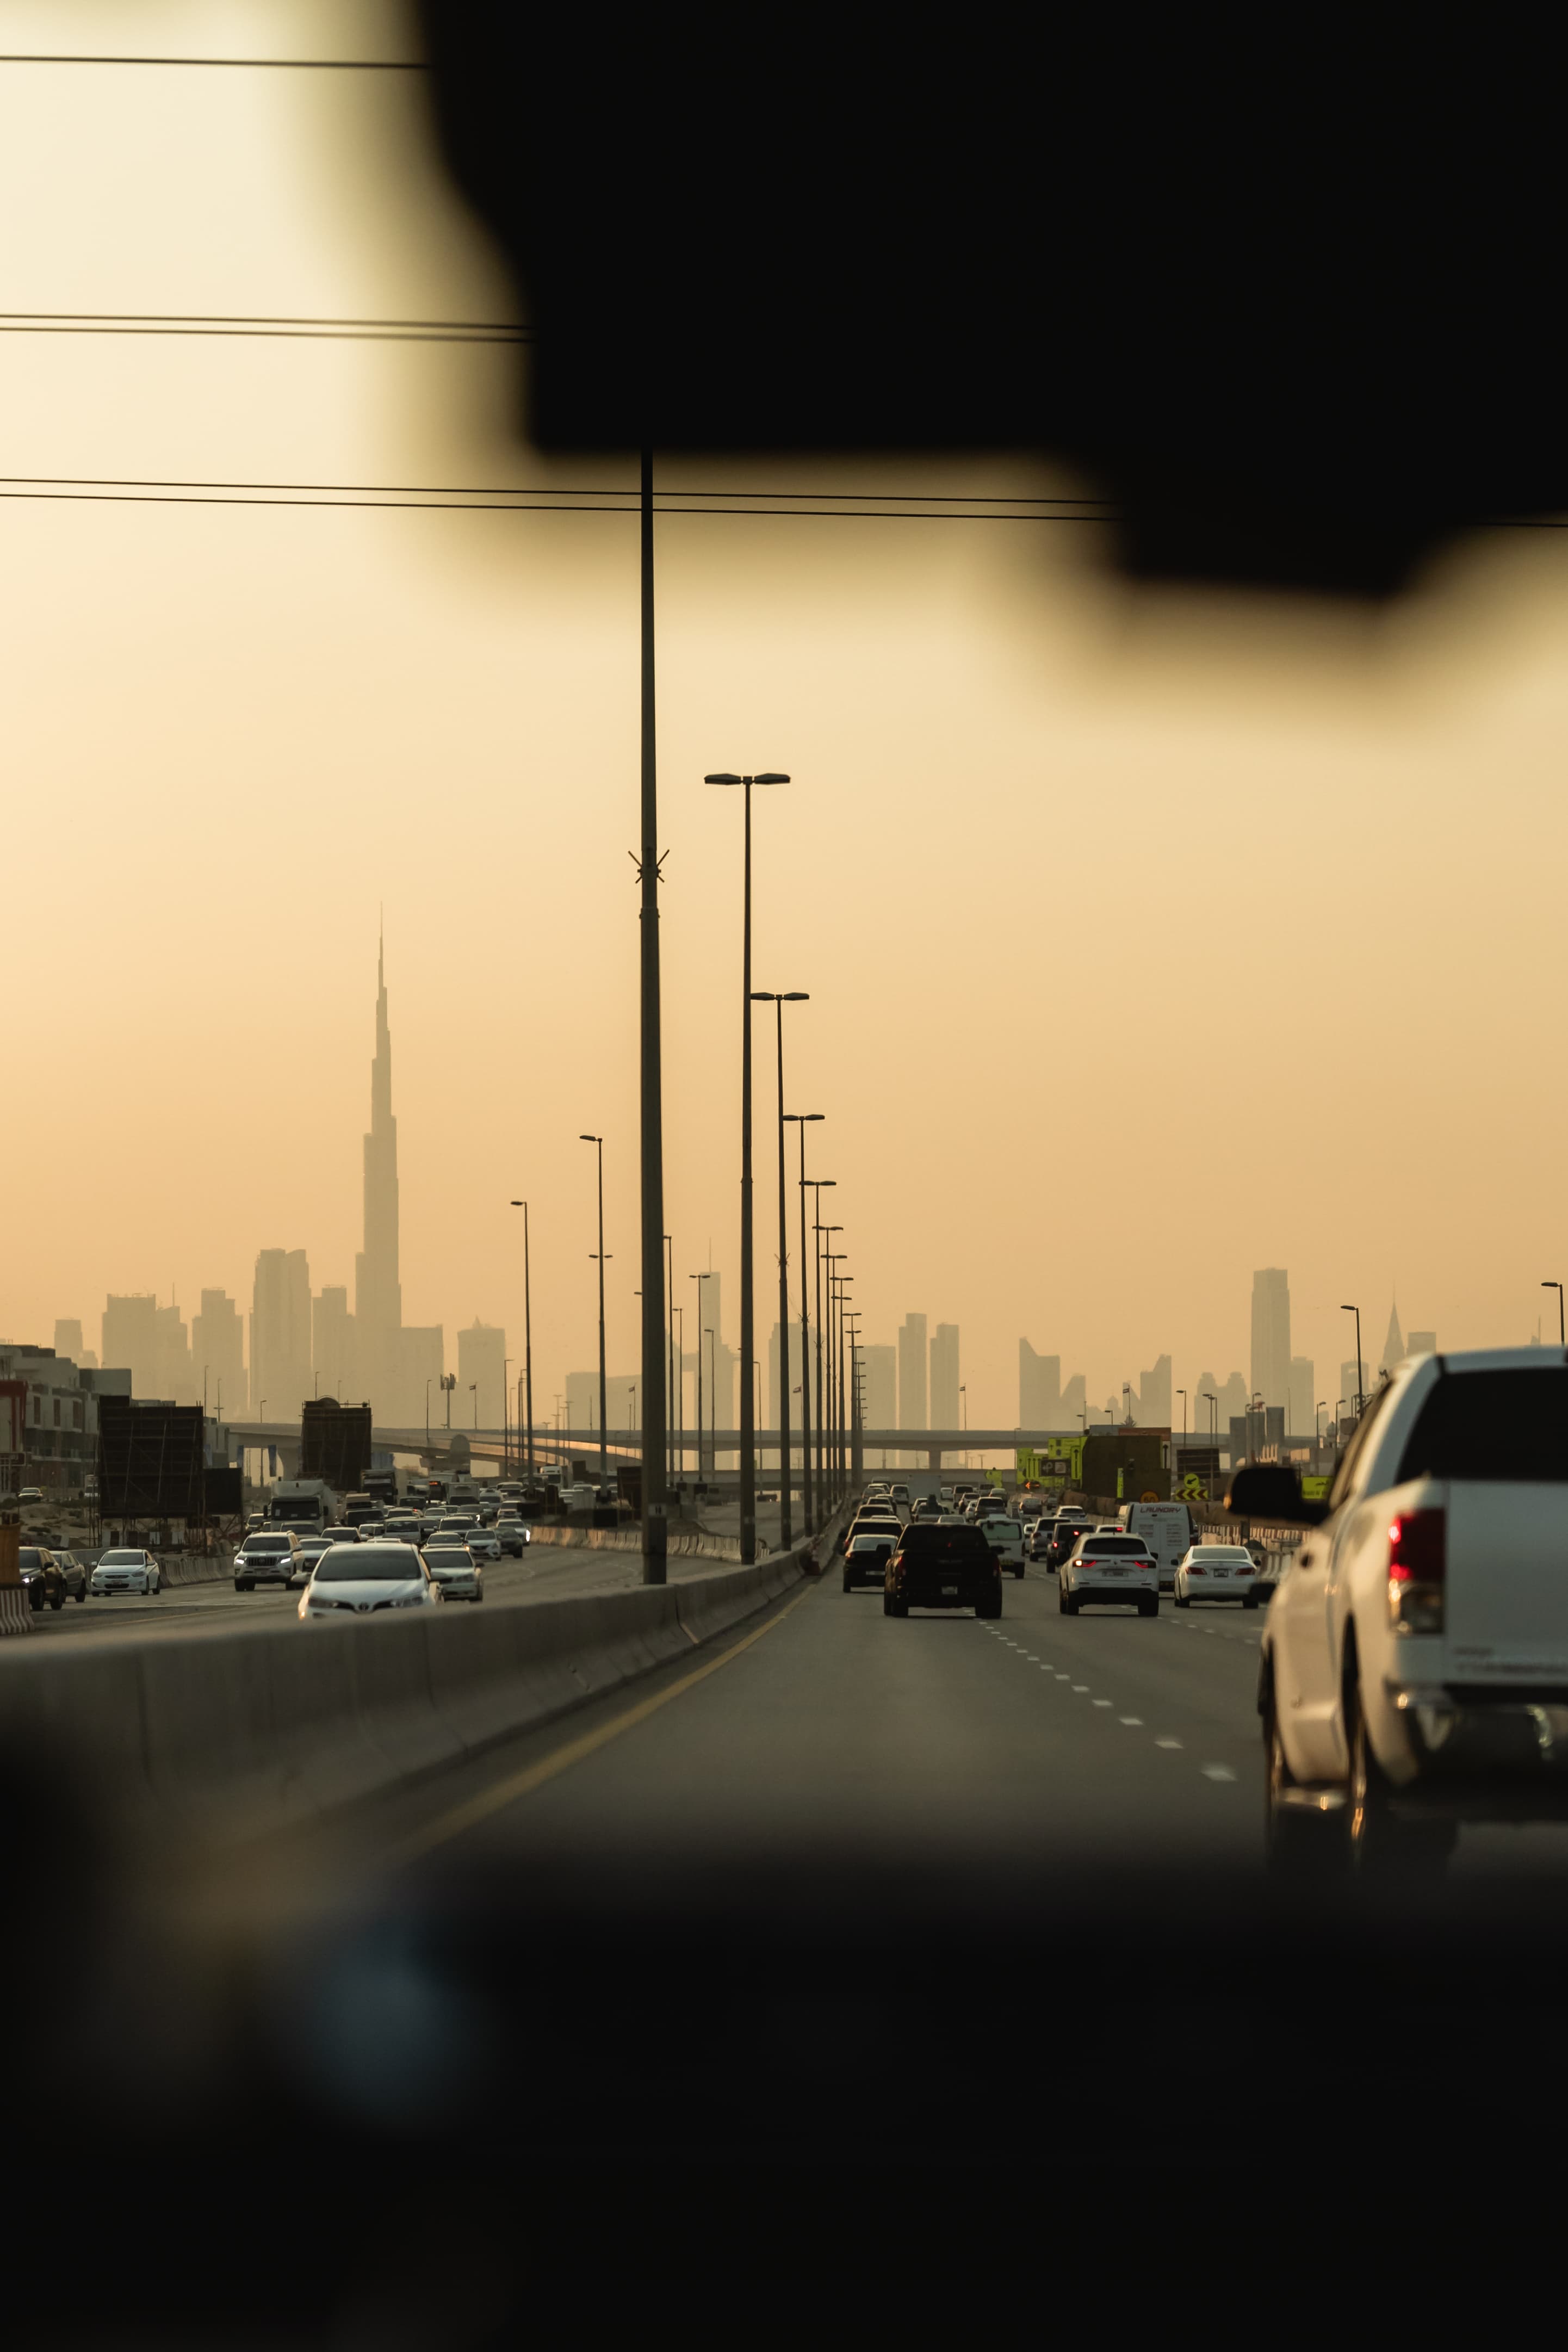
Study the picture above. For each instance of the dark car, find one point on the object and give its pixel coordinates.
(1260, 1593)
(942, 1568)
(865, 1561)
(74, 1573)
(43, 1578)
(1064, 1535)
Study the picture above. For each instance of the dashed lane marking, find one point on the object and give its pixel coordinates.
(1168, 1743)
(1217, 1772)
(1078, 1686)
(1102, 1702)
(1136, 1720)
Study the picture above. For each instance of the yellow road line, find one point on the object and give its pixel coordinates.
(522, 1784)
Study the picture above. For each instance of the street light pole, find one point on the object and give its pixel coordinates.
(1562, 1329)
(1360, 1381)
(699, 1279)
(528, 1348)
(778, 1001)
(802, 1120)
(747, 1331)
(655, 1531)
(598, 1142)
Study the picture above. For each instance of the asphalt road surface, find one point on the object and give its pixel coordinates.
(544, 1571)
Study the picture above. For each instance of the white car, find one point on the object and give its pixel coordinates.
(357, 1579)
(484, 1543)
(125, 1571)
(453, 1570)
(1414, 1656)
(1005, 1537)
(271, 1555)
(1109, 1570)
(1215, 1572)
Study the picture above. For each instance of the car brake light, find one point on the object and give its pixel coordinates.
(1417, 1571)
(1192, 1570)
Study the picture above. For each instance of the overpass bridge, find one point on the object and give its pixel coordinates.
(932, 1449)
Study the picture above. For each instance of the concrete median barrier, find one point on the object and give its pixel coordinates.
(229, 1732)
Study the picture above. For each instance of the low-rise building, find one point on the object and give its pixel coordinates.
(48, 1418)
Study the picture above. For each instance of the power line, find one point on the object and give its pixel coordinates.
(542, 506)
(507, 490)
(278, 65)
(374, 330)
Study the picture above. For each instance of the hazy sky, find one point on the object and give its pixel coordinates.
(1149, 939)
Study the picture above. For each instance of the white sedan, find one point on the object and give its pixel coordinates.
(125, 1571)
(358, 1579)
(1215, 1572)
(484, 1543)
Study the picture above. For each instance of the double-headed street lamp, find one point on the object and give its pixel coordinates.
(748, 1334)
(598, 1142)
(789, 996)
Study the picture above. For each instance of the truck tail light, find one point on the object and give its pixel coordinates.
(1417, 1571)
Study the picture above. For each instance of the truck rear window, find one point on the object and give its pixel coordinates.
(1503, 1427)
(956, 1544)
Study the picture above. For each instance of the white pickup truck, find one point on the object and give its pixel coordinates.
(1414, 1656)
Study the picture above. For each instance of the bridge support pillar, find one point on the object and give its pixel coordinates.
(934, 1459)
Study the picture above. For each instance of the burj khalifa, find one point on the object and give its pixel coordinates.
(378, 1291)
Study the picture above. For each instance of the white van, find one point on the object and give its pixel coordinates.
(1166, 1527)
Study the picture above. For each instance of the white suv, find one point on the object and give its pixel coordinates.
(1414, 1656)
(1108, 1569)
(270, 1556)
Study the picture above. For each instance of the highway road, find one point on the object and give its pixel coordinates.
(544, 1571)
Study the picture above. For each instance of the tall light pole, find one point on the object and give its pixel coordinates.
(699, 1279)
(527, 1346)
(778, 1001)
(1360, 1380)
(1562, 1330)
(672, 1393)
(1318, 1424)
(655, 1530)
(427, 1416)
(803, 1119)
(824, 1388)
(747, 1332)
(1182, 1393)
(506, 1417)
(598, 1142)
(679, 1317)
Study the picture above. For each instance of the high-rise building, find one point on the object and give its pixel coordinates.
(280, 1333)
(1039, 1389)
(482, 1366)
(1352, 1378)
(1153, 1409)
(422, 1353)
(1393, 1346)
(880, 1365)
(1271, 1334)
(912, 1373)
(334, 1364)
(1417, 1343)
(385, 1372)
(129, 1335)
(68, 1342)
(1301, 1417)
(217, 1351)
(945, 1412)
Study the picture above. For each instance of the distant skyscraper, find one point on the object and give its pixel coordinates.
(881, 1387)
(217, 1347)
(383, 1374)
(1349, 1379)
(481, 1363)
(334, 1368)
(1417, 1343)
(912, 1392)
(1039, 1389)
(130, 1340)
(1271, 1334)
(1393, 1346)
(1302, 1418)
(280, 1333)
(68, 1342)
(944, 1413)
(1153, 1409)
(1074, 1400)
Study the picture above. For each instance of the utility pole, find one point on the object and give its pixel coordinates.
(655, 1528)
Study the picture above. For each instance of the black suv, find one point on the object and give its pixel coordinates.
(1066, 1535)
(942, 1568)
